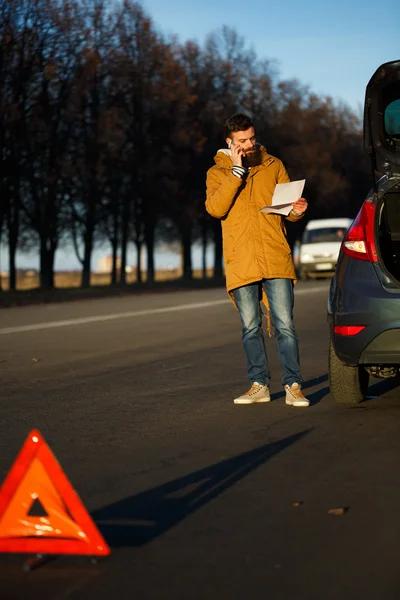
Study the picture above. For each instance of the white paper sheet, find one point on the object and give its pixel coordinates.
(283, 197)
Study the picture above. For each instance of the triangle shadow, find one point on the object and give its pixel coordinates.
(138, 519)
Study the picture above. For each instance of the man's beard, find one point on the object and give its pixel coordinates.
(252, 159)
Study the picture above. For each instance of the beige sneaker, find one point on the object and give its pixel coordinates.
(294, 396)
(257, 393)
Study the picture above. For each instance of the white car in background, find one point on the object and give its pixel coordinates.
(318, 251)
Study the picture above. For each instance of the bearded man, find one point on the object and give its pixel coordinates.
(257, 257)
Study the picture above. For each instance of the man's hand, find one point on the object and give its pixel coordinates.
(237, 154)
(300, 206)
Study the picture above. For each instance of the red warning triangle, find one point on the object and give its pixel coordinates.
(66, 527)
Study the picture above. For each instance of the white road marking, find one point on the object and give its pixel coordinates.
(112, 317)
(320, 288)
(136, 313)
(177, 368)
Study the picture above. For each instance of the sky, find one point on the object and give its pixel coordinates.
(333, 47)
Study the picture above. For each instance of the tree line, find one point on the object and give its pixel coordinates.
(107, 128)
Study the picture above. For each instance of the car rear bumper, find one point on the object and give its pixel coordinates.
(369, 347)
(383, 350)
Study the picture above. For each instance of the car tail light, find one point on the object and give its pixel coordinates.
(348, 329)
(359, 241)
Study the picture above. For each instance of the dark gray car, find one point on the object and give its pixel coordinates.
(364, 298)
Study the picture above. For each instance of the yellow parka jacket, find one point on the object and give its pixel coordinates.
(254, 243)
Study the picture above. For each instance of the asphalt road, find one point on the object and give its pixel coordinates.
(200, 498)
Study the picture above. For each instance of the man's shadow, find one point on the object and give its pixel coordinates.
(379, 387)
(376, 388)
(139, 519)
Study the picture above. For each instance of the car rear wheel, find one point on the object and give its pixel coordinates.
(348, 385)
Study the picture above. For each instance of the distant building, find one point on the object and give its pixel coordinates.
(104, 265)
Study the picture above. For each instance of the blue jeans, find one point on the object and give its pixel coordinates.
(281, 299)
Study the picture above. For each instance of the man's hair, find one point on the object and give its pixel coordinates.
(238, 122)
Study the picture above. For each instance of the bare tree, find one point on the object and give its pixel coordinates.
(107, 129)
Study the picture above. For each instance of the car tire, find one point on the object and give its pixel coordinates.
(348, 385)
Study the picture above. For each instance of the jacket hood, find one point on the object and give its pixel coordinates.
(224, 161)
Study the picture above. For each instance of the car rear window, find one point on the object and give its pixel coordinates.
(392, 119)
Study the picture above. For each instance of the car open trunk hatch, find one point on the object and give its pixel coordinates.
(389, 230)
(382, 120)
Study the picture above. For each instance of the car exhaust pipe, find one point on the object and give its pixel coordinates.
(382, 372)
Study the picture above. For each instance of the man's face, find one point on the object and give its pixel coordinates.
(246, 141)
